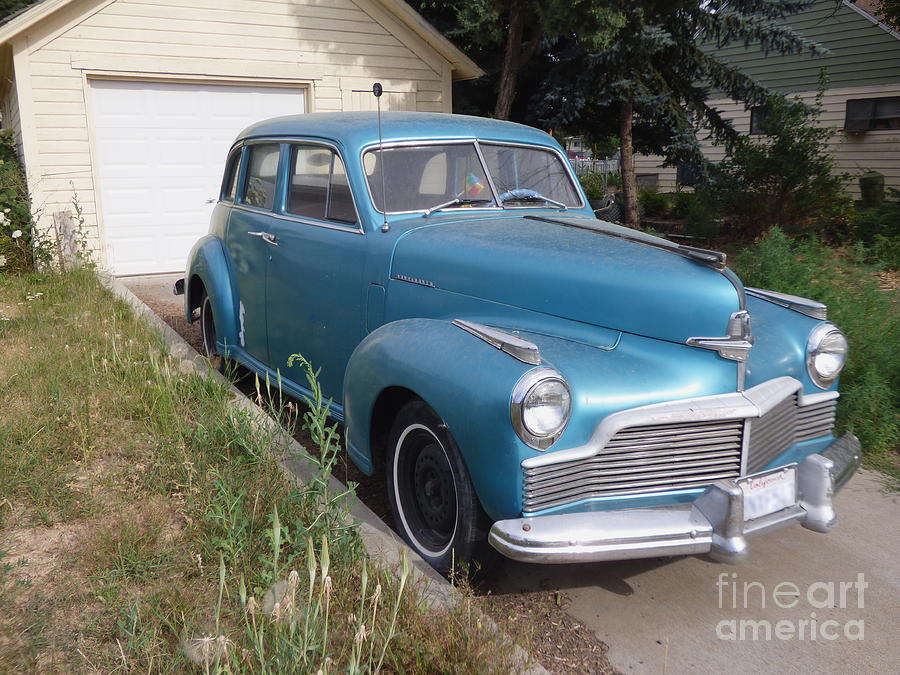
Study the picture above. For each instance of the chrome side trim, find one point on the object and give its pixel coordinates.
(523, 350)
(753, 402)
(413, 280)
(810, 308)
(734, 346)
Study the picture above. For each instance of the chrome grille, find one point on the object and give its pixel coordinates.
(815, 420)
(641, 459)
(665, 457)
(772, 434)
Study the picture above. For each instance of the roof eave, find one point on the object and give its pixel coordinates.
(29, 18)
(464, 68)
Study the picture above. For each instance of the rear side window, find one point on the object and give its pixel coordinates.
(229, 183)
(319, 187)
(262, 170)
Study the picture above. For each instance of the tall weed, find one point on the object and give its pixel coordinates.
(868, 314)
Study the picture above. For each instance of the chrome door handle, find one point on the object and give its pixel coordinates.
(267, 237)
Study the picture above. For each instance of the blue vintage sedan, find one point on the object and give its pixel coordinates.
(528, 377)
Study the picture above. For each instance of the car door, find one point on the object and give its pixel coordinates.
(250, 244)
(315, 278)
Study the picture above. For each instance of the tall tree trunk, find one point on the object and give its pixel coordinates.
(629, 183)
(512, 60)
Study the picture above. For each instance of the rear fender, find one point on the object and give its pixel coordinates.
(208, 268)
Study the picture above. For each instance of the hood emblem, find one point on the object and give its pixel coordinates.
(736, 345)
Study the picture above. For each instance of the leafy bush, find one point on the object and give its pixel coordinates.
(870, 383)
(702, 217)
(16, 223)
(785, 178)
(593, 185)
(879, 230)
(683, 203)
(653, 204)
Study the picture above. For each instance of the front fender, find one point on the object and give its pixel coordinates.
(465, 380)
(208, 268)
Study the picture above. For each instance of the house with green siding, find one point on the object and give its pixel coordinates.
(862, 101)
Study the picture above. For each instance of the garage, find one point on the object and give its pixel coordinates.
(128, 107)
(160, 149)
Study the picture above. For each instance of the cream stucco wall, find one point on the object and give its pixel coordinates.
(329, 47)
(854, 153)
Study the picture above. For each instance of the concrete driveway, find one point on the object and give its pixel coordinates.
(782, 610)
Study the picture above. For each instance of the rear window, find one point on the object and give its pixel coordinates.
(229, 184)
(262, 170)
(319, 187)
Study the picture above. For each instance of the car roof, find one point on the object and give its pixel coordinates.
(359, 129)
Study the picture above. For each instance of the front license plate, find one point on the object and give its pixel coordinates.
(769, 492)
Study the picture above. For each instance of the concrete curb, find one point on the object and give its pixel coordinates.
(379, 540)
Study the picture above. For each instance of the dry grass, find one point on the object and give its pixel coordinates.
(139, 515)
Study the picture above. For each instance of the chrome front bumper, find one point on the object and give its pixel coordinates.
(714, 523)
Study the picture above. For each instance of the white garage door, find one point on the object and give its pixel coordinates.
(161, 150)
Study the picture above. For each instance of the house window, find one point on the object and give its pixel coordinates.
(864, 114)
(759, 115)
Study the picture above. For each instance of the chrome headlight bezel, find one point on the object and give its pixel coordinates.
(518, 407)
(817, 345)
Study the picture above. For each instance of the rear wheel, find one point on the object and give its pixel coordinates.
(209, 334)
(435, 507)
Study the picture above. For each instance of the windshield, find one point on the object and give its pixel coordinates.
(443, 176)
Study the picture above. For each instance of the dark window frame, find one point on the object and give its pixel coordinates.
(876, 113)
(759, 115)
(229, 189)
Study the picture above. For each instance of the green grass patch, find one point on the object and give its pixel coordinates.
(147, 526)
(865, 311)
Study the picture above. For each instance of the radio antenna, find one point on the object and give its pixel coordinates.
(378, 91)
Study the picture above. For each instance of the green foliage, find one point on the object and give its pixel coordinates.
(7, 7)
(879, 229)
(179, 527)
(889, 12)
(870, 383)
(784, 178)
(702, 219)
(886, 250)
(16, 222)
(662, 63)
(653, 204)
(593, 184)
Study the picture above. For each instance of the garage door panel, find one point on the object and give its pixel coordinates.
(161, 149)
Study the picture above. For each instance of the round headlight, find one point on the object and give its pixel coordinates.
(826, 353)
(540, 407)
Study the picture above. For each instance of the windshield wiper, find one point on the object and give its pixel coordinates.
(527, 195)
(454, 202)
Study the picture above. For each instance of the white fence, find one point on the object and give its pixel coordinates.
(583, 166)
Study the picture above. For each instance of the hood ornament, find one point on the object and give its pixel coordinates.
(734, 346)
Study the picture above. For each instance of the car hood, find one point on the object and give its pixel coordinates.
(562, 269)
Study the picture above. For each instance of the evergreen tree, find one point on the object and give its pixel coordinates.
(650, 83)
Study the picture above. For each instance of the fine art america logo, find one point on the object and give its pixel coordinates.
(786, 600)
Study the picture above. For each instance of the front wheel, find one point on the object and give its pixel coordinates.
(435, 507)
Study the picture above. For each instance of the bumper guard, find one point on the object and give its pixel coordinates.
(714, 523)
